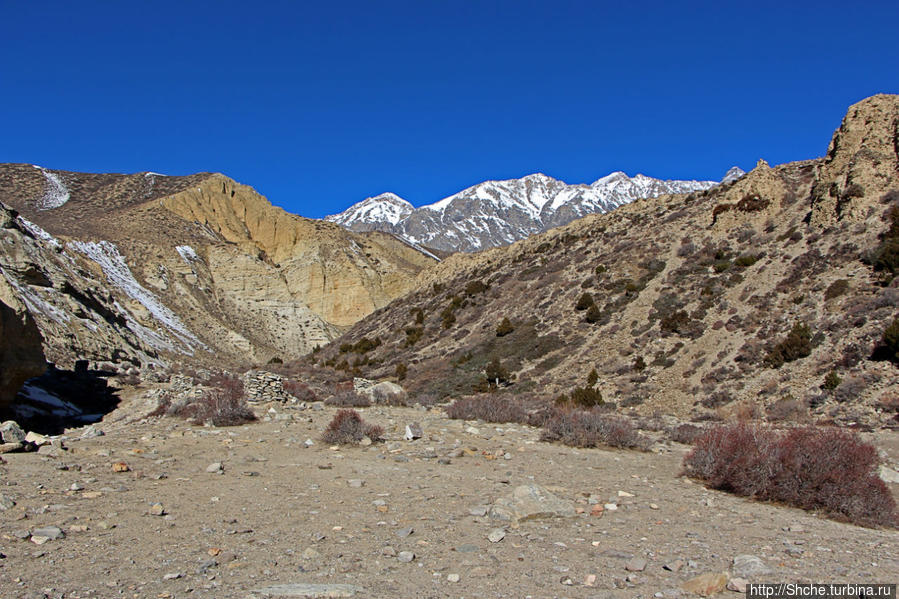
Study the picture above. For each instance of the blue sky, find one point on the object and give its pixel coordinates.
(320, 104)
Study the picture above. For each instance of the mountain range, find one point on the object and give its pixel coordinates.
(496, 213)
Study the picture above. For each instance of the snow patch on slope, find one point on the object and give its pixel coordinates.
(187, 254)
(115, 268)
(55, 193)
(37, 232)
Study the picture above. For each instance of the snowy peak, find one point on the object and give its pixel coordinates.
(500, 212)
(734, 173)
(385, 208)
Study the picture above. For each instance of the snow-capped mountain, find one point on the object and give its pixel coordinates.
(372, 213)
(496, 213)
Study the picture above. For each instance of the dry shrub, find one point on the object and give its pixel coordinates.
(685, 433)
(300, 390)
(223, 404)
(348, 427)
(590, 428)
(809, 467)
(489, 408)
(348, 399)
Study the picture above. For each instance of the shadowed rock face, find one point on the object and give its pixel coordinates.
(21, 353)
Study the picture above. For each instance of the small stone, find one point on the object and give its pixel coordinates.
(355, 483)
(597, 511)
(653, 506)
(41, 535)
(707, 584)
(413, 431)
(157, 510)
(405, 556)
(737, 585)
(610, 507)
(120, 467)
(388, 551)
(496, 535)
(750, 567)
(215, 468)
(466, 548)
(76, 487)
(404, 532)
(453, 578)
(308, 442)
(172, 576)
(310, 553)
(794, 551)
(478, 511)
(6, 502)
(365, 441)
(590, 580)
(674, 566)
(625, 494)
(472, 430)
(637, 564)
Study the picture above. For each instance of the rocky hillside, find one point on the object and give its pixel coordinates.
(769, 294)
(496, 213)
(149, 269)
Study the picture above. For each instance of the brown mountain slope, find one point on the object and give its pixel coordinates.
(246, 280)
(694, 297)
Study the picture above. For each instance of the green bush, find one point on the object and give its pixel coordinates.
(836, 289)
(504, 328)
(495, 373)
(746, 260)
(831, 381)
(797, 344)
(475, 287)
(413, 335)
(401, 371)
(584, 302)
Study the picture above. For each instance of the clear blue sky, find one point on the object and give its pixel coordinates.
(320, 104)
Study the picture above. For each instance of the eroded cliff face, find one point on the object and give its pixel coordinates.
(199, 269)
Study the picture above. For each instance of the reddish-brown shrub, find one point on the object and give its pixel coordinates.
(489, 408)
(809, 467)
(589, 428)
(300, 390)
(222, 405)
(348, 399)
(348, 427)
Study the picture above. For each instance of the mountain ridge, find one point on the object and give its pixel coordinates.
(499, 212)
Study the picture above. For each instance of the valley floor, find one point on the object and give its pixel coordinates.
(280, 513)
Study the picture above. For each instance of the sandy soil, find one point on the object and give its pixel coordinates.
(280, 512)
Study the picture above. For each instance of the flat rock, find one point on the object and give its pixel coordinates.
(413, 431)
(705, 585)
(738, 585)
(531, 502)
(888, 475)
(749, 567)
(215, 468)
(637, 564)
(496, 535)
(303, 589)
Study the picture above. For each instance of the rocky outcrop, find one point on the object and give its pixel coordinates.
(862, 162)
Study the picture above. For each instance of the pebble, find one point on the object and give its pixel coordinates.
(157, 510)
(674, 566)
(405, 556)
(453, 578)
(356, 483)
(6, 502)
(496, 535)
(404, 532)
(637, 564)
(413, 431)
(478, 511)
(737, 585)
(215, 468)
(308, 442)
(310, 553)
(120, 467)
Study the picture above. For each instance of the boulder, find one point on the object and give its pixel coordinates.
(530, 502)
(21, 346)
